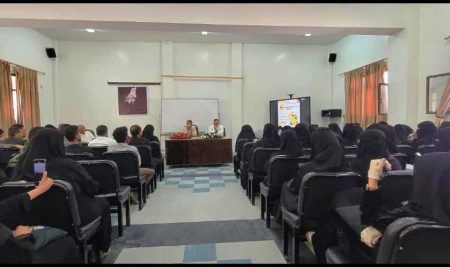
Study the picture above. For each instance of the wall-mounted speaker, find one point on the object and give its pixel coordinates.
(332, 113)
(50, 52)
(332, 57)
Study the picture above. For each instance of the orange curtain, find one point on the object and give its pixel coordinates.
(354, 96)
(444, 105)
(27, 98)
(6, 105)
(374, 76)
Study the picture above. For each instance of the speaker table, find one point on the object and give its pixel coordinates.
(198, 151)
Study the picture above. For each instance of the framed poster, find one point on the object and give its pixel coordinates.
(435, 88)
(132, 100)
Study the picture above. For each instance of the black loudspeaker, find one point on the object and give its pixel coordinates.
(332, 57)
(50, 52)
(332, 113)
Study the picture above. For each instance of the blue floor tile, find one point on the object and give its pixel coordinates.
(188, 178)
(230, 180)
(217, 185)
(202, 181)
(172, 182)
(186, 186)
(198, 253)
(237, 261)
(201, 190)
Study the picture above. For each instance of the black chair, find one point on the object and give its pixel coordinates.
(63, 214)
(281, 169)
(315, 199)
(350, 150)
(408, 151)
(426, 149)
(6, 153)
(257, 170)
(9, 189)
(402, 158)
(106, 173)
(407, 240)
(237, 158)
(306, 151)
(349, 159)
(156, 153)
(244, 163)
(98, 151)
(396, 187)
(128, 165)
(80, 156)
(147, 162)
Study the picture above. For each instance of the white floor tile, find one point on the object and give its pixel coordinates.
(168, 254)
(258, 251)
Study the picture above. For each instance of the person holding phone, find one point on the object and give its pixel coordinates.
(23, 244)
(48, 144)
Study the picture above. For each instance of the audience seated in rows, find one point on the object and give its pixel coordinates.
(102, 138)
(73, 136)
(149, 133)
(136, 137)
(23, 244)
(389, 133)
(86, 135)
(16, 135)
(15, 159)
(401, 133)
(351, 134)
(303, 136)
(246, 133)
(445, 124)
(335, 128)
(48, 144)
(327, 155)
(424, 135)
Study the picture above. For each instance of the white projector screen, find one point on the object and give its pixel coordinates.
(175, 112)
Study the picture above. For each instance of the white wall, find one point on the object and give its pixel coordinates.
(84, 68)
(26, 47)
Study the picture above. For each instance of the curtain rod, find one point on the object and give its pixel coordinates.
(17, 65)
(342, 74)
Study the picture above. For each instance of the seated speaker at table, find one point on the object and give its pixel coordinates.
(190, 129)
(216, 128)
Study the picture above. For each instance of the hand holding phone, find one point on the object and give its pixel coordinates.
(39, 169)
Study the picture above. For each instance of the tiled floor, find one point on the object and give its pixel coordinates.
(198, 215)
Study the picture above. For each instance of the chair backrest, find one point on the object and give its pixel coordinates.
(80, 156)
(349, 159)
(9, 189)
(426, 149)
(281, 169)
(156, 149)
(350, 150)
(240, 145)
(413, 240)
(105, 172)
(396, 187)
(146, 155)
(260, 156)
(306, 151)
(245, 154)
(402, 158)
(57, 208)
(318, 189)
(407, 150)
(126, 161)
(98, 151)
(6, 153)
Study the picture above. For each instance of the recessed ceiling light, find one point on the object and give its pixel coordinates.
(204, 33)
(90, 30)
(308, 34)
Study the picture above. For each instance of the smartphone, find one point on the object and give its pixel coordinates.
(39, 169)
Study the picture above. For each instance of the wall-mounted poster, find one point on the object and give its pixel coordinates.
(132, 100)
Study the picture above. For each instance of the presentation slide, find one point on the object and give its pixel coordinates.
(288, 112)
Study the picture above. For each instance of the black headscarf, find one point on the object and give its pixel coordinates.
(326, 151)
(426, 129)
(401, 133)
(313, 127)
(335, 128)
(246, 133)
(148, 132)
(445, 124)
(303, 135)
(372, 145)
(442, 142)
(351, 134)
(270, 136)
(289, 143)
(389, 133)
(432, 186)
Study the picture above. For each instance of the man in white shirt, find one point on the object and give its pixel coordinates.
(216, 128)
(86, 136)
(102, 137)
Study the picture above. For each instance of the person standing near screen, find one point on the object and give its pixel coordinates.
(190, 129)
(216, 128)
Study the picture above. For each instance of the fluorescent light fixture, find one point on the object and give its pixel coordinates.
(90, 30)
(204, 33)
(308, 34)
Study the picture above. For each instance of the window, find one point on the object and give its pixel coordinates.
(383, 95)
(14, 96)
